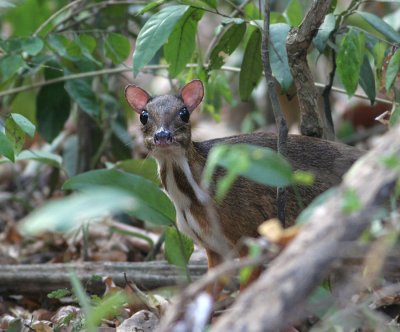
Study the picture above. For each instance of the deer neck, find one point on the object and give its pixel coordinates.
(180, 173)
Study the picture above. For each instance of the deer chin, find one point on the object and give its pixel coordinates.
(163, 150)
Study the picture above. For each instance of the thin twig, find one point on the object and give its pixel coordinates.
(120, 70)
(175, 311)
(52, 17)
(96, 73)
(357, 95)
(156, 248)
(330, 132)
(273, 96)
(140, 295)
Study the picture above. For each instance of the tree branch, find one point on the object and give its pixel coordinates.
(297, 44)
(290, 279)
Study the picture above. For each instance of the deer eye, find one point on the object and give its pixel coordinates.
(144, 116)
(184, 114)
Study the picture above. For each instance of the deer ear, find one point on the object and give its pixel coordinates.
(192, 94)
(137, 98)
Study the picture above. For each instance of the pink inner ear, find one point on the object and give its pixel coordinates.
(137, 98)
(192, 94)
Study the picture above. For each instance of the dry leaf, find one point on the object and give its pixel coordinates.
(273, 231)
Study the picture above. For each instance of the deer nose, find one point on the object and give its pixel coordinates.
(162, 137)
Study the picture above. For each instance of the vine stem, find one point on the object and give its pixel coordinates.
(52, 17)
(120, 70)
(96, 73)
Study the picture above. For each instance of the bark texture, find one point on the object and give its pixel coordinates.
(44, 278)
(297, 44)
(276, 300)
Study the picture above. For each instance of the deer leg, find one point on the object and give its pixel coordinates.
(215, 288)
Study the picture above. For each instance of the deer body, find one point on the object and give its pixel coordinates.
(167, 135)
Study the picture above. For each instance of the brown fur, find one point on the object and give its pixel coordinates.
(247, 203)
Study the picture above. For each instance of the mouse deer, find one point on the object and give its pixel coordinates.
(167, 135)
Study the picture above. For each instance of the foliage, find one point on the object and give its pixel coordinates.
(152, 203)
(262, 165)
(67, 55)
(110, 305)
(178, 248)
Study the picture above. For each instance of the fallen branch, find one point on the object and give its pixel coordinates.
(177, 310)
(278, 298)
(44, 278)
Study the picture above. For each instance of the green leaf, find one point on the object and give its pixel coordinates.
(204, 4)
(349, 60)
(150, 6)
(88, 42)
(81, 92)
(16, 325)
(182, 41)
(254, 250)
(62, 215)
(27, 126)
(117, 47)
(367, 80)
(392, 70)
(58, 43)
(154, 34)
(252, 68)
(69, 49)
(303, 178)
(378, 52)
(351, 202)
(381, 26)
(44, 157)
(278, 55)
(146, 168)
(52, 104)
(294, 13)
(6, 147)
(53, 70)
(324, 32)
(178, 247)
(15, 135)
(256, 163)
(154, 205)
(395, 116)
(109, 306)
(322, 302)
(52, 110)
(59, 293)
(87, 46)
(32, 45)
(81, 295)
(9, 65)
(227, 43)
(252, 12)
(211, 3)
(277, 17)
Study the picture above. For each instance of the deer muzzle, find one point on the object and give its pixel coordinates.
(163, 138)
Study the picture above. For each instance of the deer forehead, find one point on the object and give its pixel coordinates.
(164, 104)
